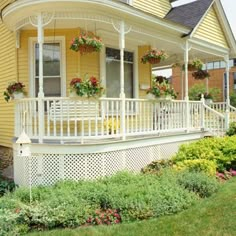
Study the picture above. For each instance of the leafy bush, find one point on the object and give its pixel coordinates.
(6, 186)
(220, 150)
(197, 89)
(232, 129)
(199, 183)
(233, 99)
(156, 167)
(197, 165)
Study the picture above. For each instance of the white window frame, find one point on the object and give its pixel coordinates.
(32, 42)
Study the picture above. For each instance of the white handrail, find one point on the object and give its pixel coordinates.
(79, 120)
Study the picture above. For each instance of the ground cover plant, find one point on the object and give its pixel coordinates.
(213, 216)
(124, 197)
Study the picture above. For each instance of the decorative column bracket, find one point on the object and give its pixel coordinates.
(47, 18)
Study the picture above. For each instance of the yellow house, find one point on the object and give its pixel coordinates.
(73, 138)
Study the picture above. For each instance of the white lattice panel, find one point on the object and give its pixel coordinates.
(74, 166)
(46, 169)
(168, 150)
(50, 172)
(137, 158)
(111, 167)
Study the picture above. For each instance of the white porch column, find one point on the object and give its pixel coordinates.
(227, 112)
(40, 43)
(40, 93)
(122, 31)
(122, 78)
(186, 55)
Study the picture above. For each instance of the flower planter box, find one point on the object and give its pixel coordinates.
(18, 95)
(86, 49)
(154, 60)
(165, 98)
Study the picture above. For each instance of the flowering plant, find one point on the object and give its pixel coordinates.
(106, 217)
(14, 87)
(200, 74)
(112, 124)
(195, 64)
(161, 89)
(88, 87)
(153, 56)
(86, 44)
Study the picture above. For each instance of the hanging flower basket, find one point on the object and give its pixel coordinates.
(195, 64)
(86, 44)
(153, 56)
(200, 74)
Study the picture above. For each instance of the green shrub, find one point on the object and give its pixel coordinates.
(198, 182)
(6, 186)
(156, 167)
(197, 165)
(232, 129)
(220, 150)
(233, 99)
(197, 89)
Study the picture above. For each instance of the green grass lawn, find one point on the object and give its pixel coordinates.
(213, 216)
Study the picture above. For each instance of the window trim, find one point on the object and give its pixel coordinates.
(31, 57)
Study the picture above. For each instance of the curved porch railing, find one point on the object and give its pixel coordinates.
(72, 119)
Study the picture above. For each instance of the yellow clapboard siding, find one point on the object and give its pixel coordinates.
(144, 70)
(155, 7)
(7, 74)
(210, 30)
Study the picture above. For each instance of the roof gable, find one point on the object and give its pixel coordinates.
(210, 29)
(189, 14)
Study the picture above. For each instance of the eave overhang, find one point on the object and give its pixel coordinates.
(22, 9)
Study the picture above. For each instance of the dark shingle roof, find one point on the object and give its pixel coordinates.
(189, 14)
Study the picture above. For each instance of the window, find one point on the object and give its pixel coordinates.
(51, 69)
(113, 73)
(54, 67)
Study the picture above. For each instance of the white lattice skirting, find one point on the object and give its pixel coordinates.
(50, 163)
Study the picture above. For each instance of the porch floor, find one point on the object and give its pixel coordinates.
(98, 141)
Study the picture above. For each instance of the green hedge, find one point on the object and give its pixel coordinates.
(220, 150)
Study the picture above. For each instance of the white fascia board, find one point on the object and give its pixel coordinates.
(203, 46)
(227, 29)
(129, 10)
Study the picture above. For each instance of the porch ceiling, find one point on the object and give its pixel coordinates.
(100, 18)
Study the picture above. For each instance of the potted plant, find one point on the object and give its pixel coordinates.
(112, 125)
(87, 87)
(162, 91)
(200, 74)
(195, 64)
(15, 90)
(86, 44)
(153, 56)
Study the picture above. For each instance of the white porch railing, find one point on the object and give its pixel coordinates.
(79, 120)
(221, 107)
